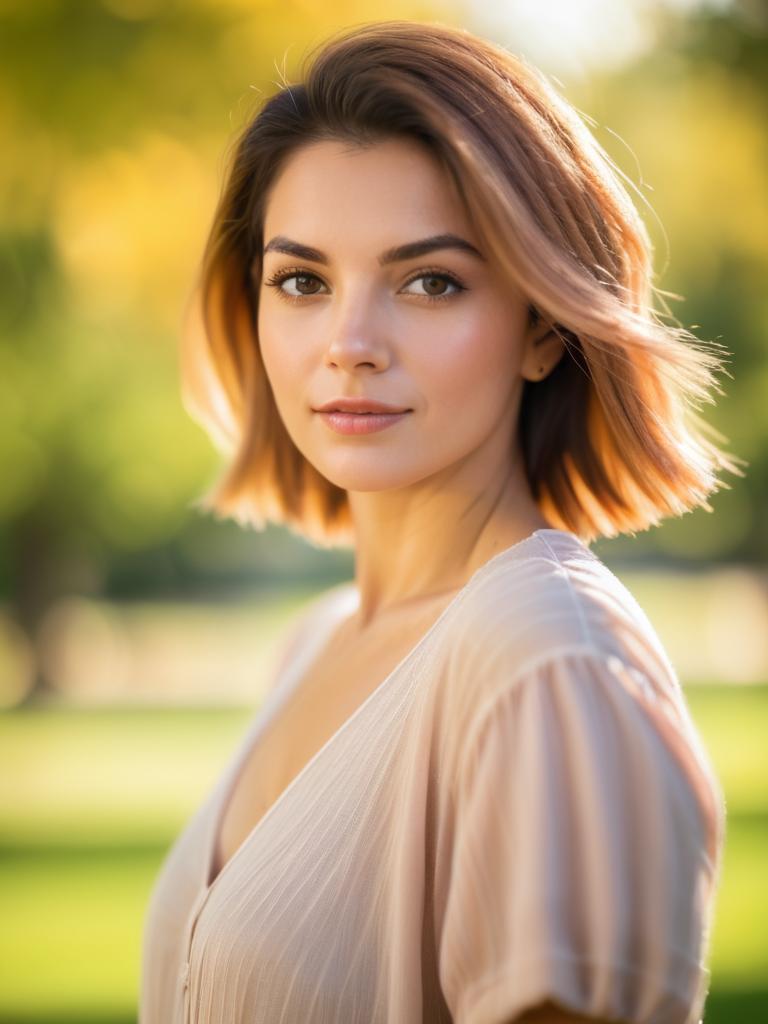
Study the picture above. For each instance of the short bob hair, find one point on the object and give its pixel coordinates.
(609, 440)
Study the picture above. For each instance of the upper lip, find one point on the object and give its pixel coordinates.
(358, 405)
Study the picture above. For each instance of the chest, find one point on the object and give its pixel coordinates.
(318, 912)
(327, 694)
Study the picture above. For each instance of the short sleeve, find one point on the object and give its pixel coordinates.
(581, 866)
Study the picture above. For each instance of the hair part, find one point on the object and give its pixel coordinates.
(611, 438)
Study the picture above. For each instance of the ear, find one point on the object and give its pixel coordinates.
(543, 348)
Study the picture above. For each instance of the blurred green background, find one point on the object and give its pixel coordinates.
(136, 635)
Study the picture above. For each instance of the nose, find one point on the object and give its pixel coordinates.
(357, 335)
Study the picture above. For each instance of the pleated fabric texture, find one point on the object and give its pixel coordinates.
(522, 810)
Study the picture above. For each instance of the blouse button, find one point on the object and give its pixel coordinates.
(185, 975)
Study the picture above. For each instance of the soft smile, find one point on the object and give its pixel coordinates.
(361, 422)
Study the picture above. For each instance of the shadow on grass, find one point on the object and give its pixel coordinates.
(742, 1006)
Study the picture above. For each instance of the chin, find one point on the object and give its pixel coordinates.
(376, 476)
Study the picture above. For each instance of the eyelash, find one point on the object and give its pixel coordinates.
(284, 275)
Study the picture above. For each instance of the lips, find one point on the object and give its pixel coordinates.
(361, 406)
(355, 424)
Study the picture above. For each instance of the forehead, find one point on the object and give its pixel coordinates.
(395, 186)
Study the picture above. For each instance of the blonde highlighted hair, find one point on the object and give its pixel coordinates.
(610, 438)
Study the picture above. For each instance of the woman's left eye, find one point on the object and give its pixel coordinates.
(434, 279)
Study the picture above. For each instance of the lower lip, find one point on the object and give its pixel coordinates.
(361, 423)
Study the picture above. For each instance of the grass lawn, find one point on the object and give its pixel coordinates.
(91, 800)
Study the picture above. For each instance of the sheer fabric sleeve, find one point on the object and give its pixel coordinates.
(585, 852)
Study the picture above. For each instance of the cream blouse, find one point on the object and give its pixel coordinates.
(522, 810)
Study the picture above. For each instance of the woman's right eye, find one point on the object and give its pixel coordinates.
(301, 279)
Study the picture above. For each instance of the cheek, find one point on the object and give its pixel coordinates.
(471, 364)
(280, 356)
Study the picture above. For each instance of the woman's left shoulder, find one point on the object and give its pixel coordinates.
(548, 598)
(555, 626)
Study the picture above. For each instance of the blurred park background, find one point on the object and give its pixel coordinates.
(137, 635)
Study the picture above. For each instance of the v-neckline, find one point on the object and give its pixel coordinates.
(331, 619)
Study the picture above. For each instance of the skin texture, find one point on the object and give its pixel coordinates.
(437, 494)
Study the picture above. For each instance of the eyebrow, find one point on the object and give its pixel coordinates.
(409, 251)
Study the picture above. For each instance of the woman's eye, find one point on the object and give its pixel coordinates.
(301, 281)
(435, 285)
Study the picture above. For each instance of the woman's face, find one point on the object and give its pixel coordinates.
(435, 332)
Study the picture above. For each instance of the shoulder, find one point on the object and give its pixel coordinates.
(556, 641)
(549, 599)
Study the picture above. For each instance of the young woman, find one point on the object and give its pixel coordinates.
(424, 328)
